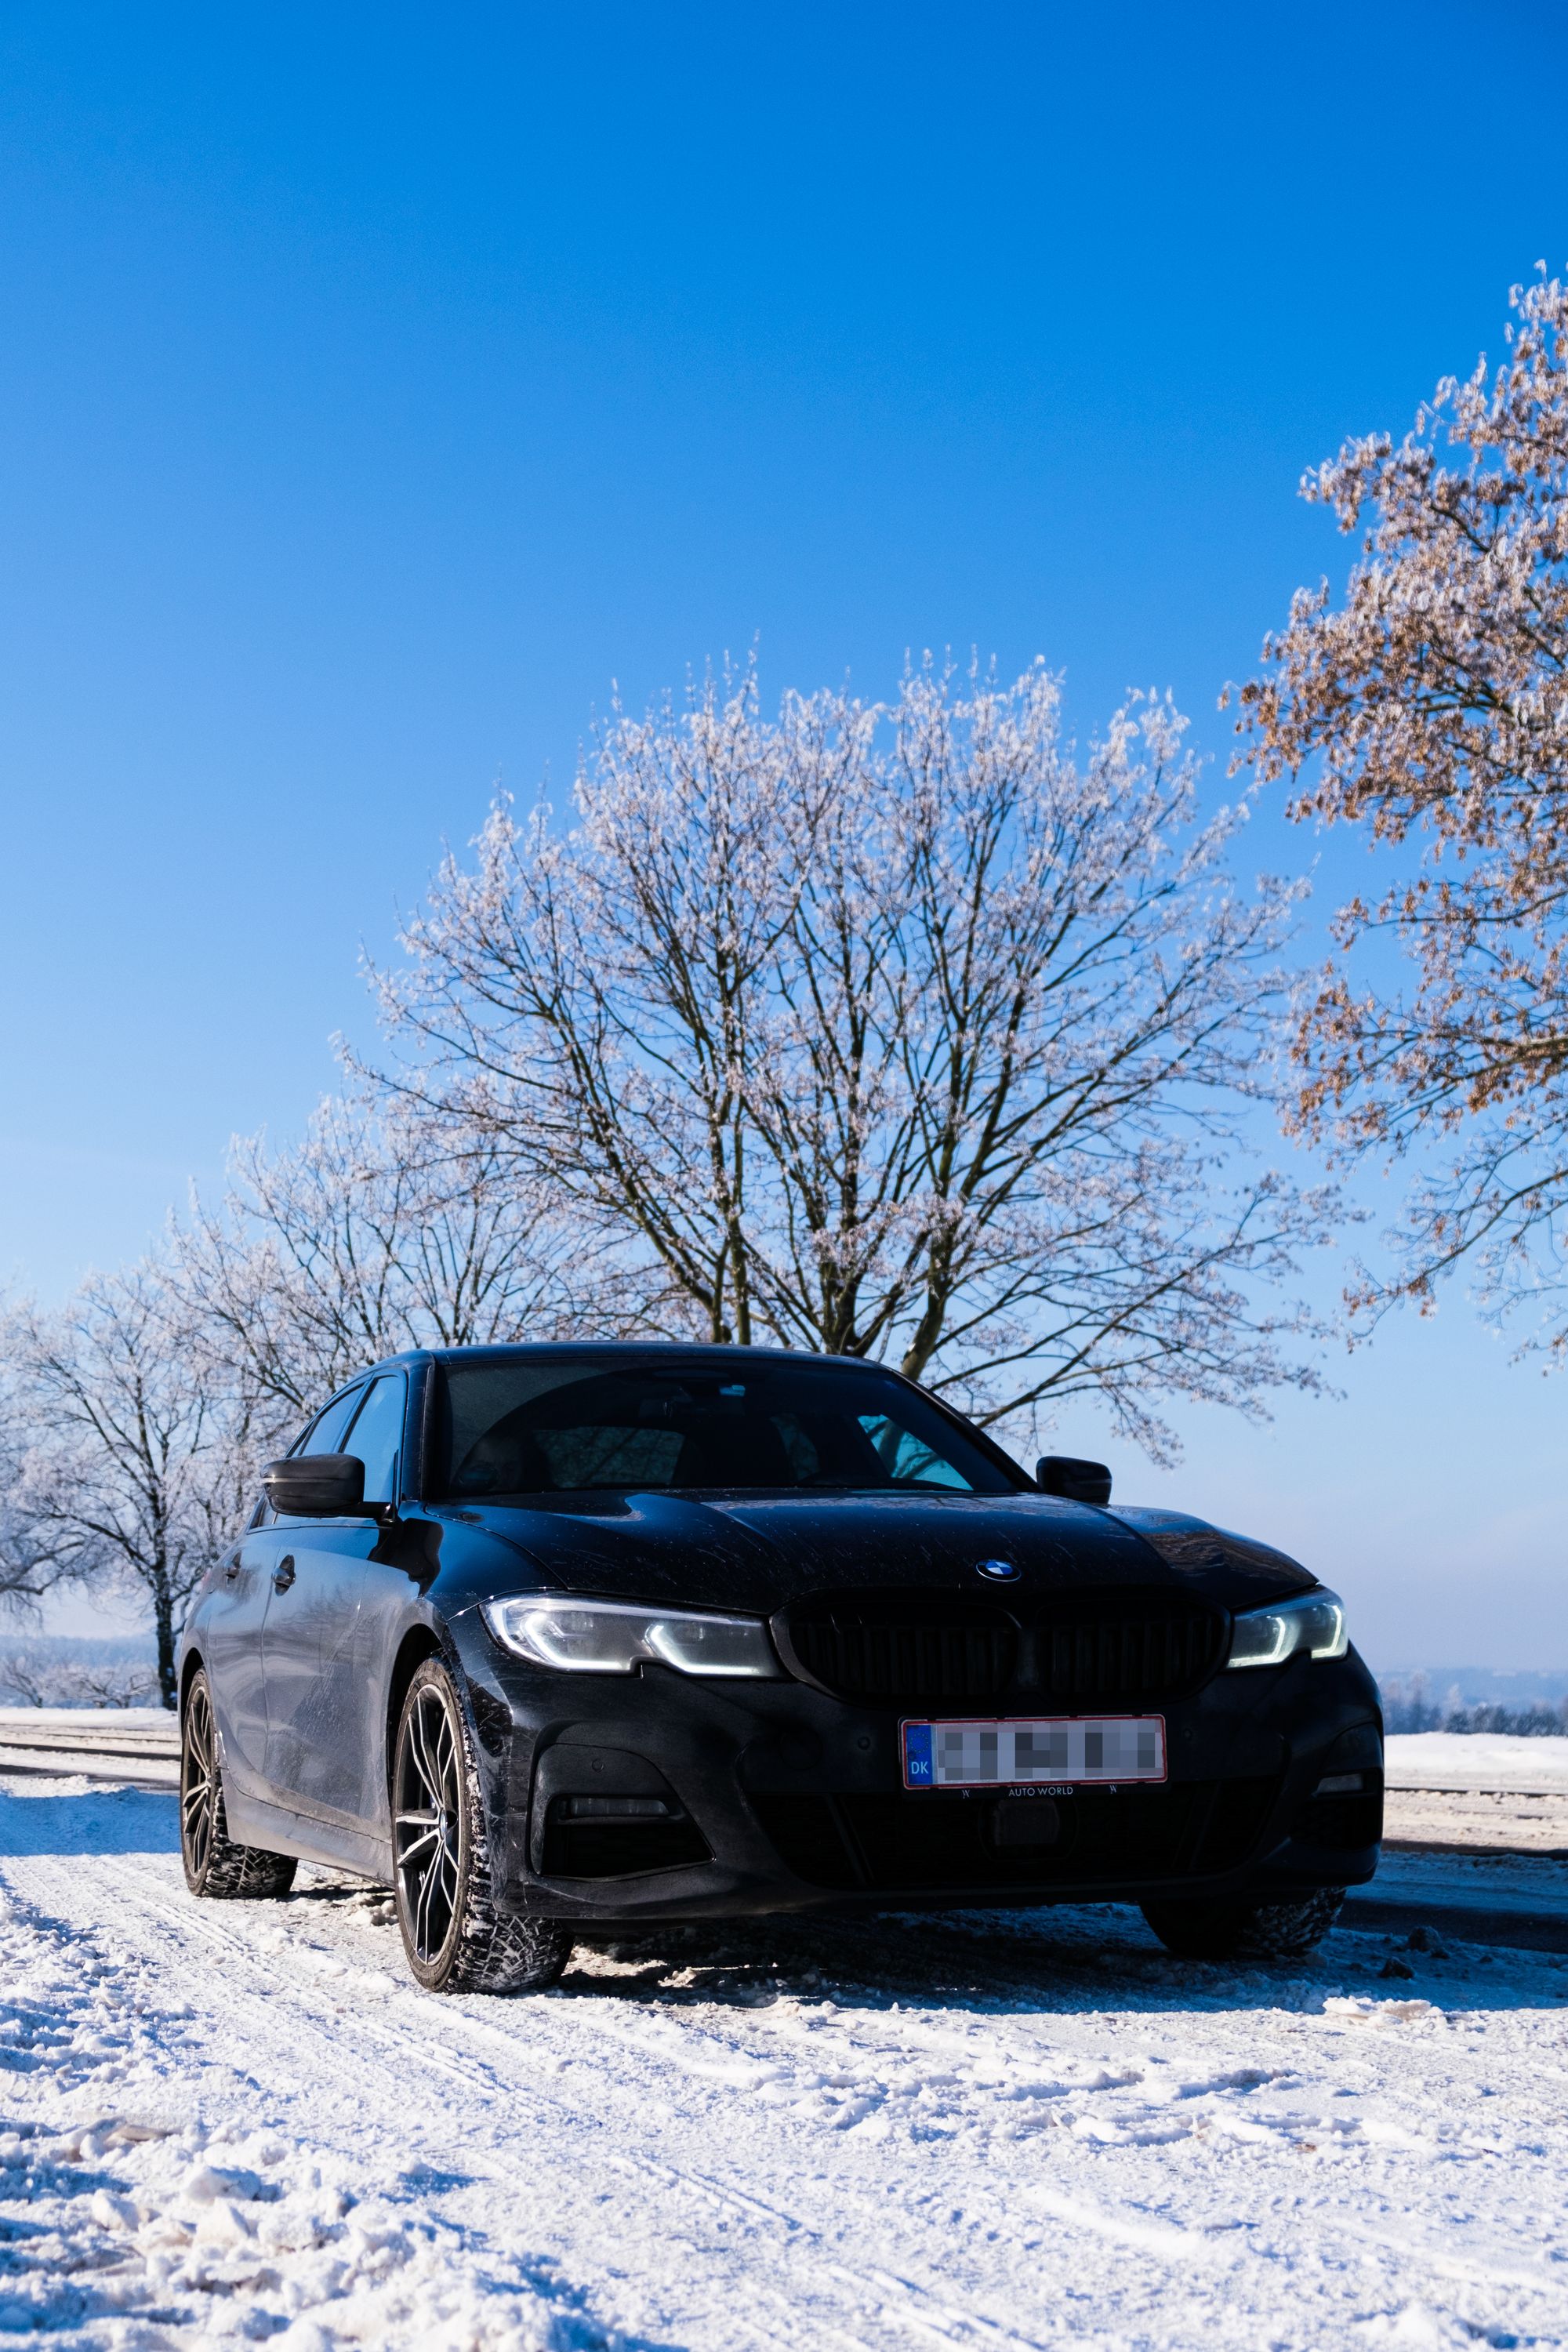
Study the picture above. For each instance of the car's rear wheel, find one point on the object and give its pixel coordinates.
(214, 1863)
(456, 1938)
(1245, 1931)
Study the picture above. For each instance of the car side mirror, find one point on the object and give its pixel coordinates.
(317, 1487)
(1076, 1481)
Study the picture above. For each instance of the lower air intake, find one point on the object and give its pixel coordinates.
(1344, 1821)
(583, 1841)
(917, 1844)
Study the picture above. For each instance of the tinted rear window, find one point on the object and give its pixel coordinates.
(585, 1425)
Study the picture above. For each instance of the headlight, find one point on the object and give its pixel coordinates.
(607, 1637)
(1266, 1637)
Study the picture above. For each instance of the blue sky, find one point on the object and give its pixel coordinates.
(379, 384)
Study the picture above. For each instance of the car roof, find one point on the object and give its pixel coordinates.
(632, 1349)
(529, 1350)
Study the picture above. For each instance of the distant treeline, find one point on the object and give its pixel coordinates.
(63, 1670)
(1409, 1705)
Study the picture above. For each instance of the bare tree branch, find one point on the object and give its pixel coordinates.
(131, 1470)
(893, 1030)
(379, 1231)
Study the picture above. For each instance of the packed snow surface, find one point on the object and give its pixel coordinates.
(232, 2123)
(1475, 1759)
(1500, 1822)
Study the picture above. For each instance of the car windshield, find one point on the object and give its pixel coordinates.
(565, 1425)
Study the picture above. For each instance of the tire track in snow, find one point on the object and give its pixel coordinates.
(200, 2250)
(322, 2012)
(614, 2080)
(889, 2304)
(921, 2307)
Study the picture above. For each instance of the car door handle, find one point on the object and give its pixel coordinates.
(230, 1571)
(283, 1574)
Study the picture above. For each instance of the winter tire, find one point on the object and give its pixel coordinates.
(1245, 1931)
(215, 1864)
(456, 1938)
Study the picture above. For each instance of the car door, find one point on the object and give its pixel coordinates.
(234, 1620)
(322, 1700)
(231, 1624)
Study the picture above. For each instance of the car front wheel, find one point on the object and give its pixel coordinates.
(1245, 1931)
(215, 1864)
(456, 1938)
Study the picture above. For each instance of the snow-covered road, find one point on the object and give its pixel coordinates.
(238, 2121)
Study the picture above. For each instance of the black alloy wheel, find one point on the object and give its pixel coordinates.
(215, 1864)
(456, 1937)
(429, 1823)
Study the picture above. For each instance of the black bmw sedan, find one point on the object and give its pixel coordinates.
(562, 1640)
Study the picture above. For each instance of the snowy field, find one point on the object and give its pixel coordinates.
(1466, 1759)
(238, 2123)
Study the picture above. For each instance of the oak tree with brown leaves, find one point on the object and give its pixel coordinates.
(1429, 707)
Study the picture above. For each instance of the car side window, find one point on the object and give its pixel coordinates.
(326, 1434)
(376, 1436)
(319, 1436)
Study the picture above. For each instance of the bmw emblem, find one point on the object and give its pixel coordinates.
(999, 1571)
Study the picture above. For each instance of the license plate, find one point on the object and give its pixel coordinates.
(1053, 1751)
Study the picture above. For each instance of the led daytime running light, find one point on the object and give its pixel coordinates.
(613, 1637)
(1315, 1623)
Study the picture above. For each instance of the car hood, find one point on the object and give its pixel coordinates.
(757, 1553)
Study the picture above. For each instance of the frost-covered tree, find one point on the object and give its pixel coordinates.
(136, 1420)
(37, 1676)
(380, 1229)
(893, 1030)
(1429, 707)
(35, 1553)
(134, 1469)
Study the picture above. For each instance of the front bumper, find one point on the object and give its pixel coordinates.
(742, 1799)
